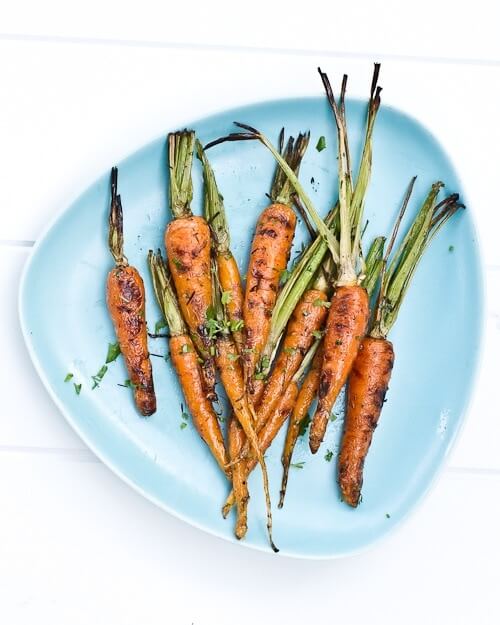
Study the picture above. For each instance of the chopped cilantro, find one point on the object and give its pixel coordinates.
(235, 325)
(113, 352)
(183, 425)
(388, 516)
(298, 465)
(290, 350)
(451, 248)
(329, 455)
(226, 297)
(78, 388)
(233, 357)
(186, 348)
(304, 425)
(97, 378)
(318, 334)
(68, 377)
(321, 145)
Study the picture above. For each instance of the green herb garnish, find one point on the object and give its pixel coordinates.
(322, 302)
(304, 424)
(97, 378)
(329, 455)
(226, 297)
(113, 352)
(298, 465)
(68, 377)
(321, 145)
(78, 388)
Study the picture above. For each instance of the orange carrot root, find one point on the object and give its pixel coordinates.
(185, 360)
(368, 384)
(268, 258)
(126, 305)
(307, 395)
(345, 329)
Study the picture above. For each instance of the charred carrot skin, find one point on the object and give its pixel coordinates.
(268, 258)
(345, 328)
(307, 318)
(305, 398)
(186, 363)
(368, 384)
(125, 299)
(187, 241)
(126, 304)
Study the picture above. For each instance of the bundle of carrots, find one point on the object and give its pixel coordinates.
(277, 345)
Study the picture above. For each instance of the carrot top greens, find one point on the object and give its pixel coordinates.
(180, 161)
(292, 153)
(396, 275)
(165, 294)
(215, 213)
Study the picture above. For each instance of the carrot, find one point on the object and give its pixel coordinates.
(227, 268)
(187, 241)
(229, 366)
(348, 315)
(307, 319)
(268, 433)
(371, 372)
(307, 394)
(186, 363)
(299, 417)
(268, 259)
(126, 304)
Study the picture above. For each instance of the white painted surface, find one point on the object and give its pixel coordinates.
(78, 546)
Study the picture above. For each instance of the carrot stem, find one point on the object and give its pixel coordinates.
(165, 295)
(180, 159)
(115, 233)
(398, 274)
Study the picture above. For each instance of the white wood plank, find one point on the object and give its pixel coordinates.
(28, 417)
(80, 547)
(72, 110)
(433, 29)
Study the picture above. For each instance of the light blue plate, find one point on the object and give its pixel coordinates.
(437, 336)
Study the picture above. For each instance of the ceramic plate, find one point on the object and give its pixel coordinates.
(67, 329)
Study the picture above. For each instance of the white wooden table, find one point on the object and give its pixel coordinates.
(83, 84)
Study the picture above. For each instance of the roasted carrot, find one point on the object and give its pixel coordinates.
(268, 259)
(371, 372)
(229, 365)
(306, 321)
(298, 418)
(228, 272)
(281, 413)
(186, 363)
(309, 388)
(348, 315)
(187, 241)
(126, 304)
